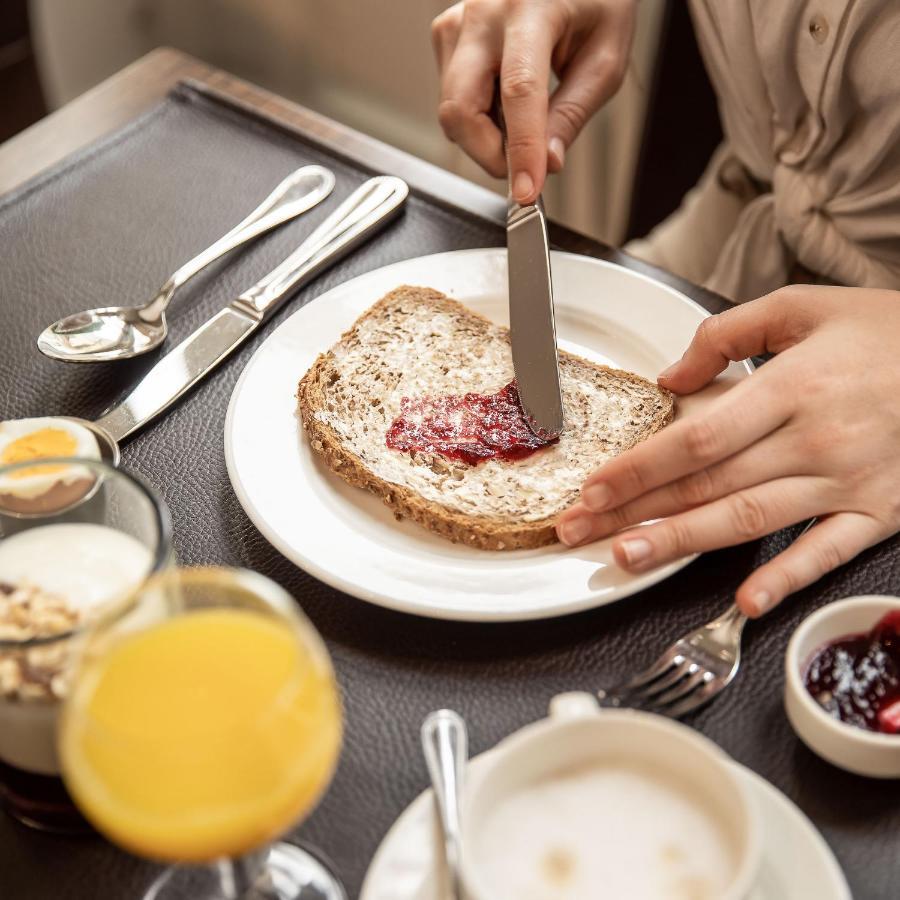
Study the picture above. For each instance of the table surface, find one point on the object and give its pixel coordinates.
(478, 669)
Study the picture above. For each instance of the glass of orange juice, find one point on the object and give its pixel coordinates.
(202, 723)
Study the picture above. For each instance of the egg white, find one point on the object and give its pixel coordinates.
(37, 484)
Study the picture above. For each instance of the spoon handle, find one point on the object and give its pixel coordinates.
(299, 192)
(445, 744)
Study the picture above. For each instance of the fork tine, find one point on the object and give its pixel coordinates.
(649, 691)
(698, 678)
(695, 700)
(670, 658)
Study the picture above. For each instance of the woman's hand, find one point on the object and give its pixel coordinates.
(814, 432)
(586, 42)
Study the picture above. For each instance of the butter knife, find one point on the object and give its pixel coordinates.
(363, 213)
(532, 325)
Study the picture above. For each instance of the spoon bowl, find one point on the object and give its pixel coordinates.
(101, 335)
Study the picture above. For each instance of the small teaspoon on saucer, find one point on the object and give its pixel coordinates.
(122, 332)
(445, 744)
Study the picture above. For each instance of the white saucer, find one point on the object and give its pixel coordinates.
(797, 863)
(349, 539)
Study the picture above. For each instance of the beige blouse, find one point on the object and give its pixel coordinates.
(808, 177)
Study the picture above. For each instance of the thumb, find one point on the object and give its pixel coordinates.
(768, 325)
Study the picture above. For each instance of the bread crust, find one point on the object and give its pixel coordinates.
(483, 532)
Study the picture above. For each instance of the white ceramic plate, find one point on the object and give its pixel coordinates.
(348, 538)
(797, 863)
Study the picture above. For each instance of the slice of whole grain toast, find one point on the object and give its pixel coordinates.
(417, 342)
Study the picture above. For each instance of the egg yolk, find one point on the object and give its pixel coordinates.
(39, 444)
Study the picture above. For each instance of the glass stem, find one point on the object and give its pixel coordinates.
(241, 878)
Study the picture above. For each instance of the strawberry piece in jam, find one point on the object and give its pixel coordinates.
(857, 678)
(467, 427)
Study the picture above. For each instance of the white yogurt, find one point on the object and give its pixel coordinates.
(616, 830)
(88, 565)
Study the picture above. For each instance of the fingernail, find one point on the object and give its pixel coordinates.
(558, 150)
(575, 530)
(668, 372)
(523, 185)
(596, 497)
(762, 602)
(637, 551)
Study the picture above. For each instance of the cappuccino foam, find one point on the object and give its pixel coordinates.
(608, 831)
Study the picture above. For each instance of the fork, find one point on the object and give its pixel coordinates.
(688, 674)
(693, 670)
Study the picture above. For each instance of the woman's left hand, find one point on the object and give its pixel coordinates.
(814, 432)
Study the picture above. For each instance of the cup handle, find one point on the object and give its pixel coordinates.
(574, 705)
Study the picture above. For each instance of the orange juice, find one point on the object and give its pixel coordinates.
(204, 736)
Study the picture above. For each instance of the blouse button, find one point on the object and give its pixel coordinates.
(818, 28)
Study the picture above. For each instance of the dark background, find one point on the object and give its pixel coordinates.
(21, 101)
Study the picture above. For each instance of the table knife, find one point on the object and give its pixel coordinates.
(363, 213)
(532, 326)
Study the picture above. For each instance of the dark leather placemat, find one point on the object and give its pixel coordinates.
(107, 227)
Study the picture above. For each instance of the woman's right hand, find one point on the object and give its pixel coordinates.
(586, 42)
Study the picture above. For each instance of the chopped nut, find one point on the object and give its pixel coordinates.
(59, 685)
(34, 673)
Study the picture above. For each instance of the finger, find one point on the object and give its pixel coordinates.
(768, 325)
(445, 30)
(741, 417)
(467, 89)
(740, 517)
(829, 544)
(524, 90)
(765, 461)
(588, 81)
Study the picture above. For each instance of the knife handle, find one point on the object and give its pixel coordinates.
(496, 112)
(513, 210)
(499, 119)
(367, 208)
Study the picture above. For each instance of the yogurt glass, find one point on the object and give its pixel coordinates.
(60, 570)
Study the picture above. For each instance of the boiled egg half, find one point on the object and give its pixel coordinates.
(47, 487)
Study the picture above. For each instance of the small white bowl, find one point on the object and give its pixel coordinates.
(854, 749)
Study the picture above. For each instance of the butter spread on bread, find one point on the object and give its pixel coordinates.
(417, 342)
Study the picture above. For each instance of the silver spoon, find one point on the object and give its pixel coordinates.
(121, 332)
(445, 744)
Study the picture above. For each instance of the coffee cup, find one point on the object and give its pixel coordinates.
(617, 803)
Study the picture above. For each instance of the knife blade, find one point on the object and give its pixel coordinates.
(532, 324)
(365, 211)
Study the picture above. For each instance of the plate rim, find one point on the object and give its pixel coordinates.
(589, 599)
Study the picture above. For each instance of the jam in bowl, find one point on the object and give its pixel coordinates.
(842, 684)
(856, 678)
